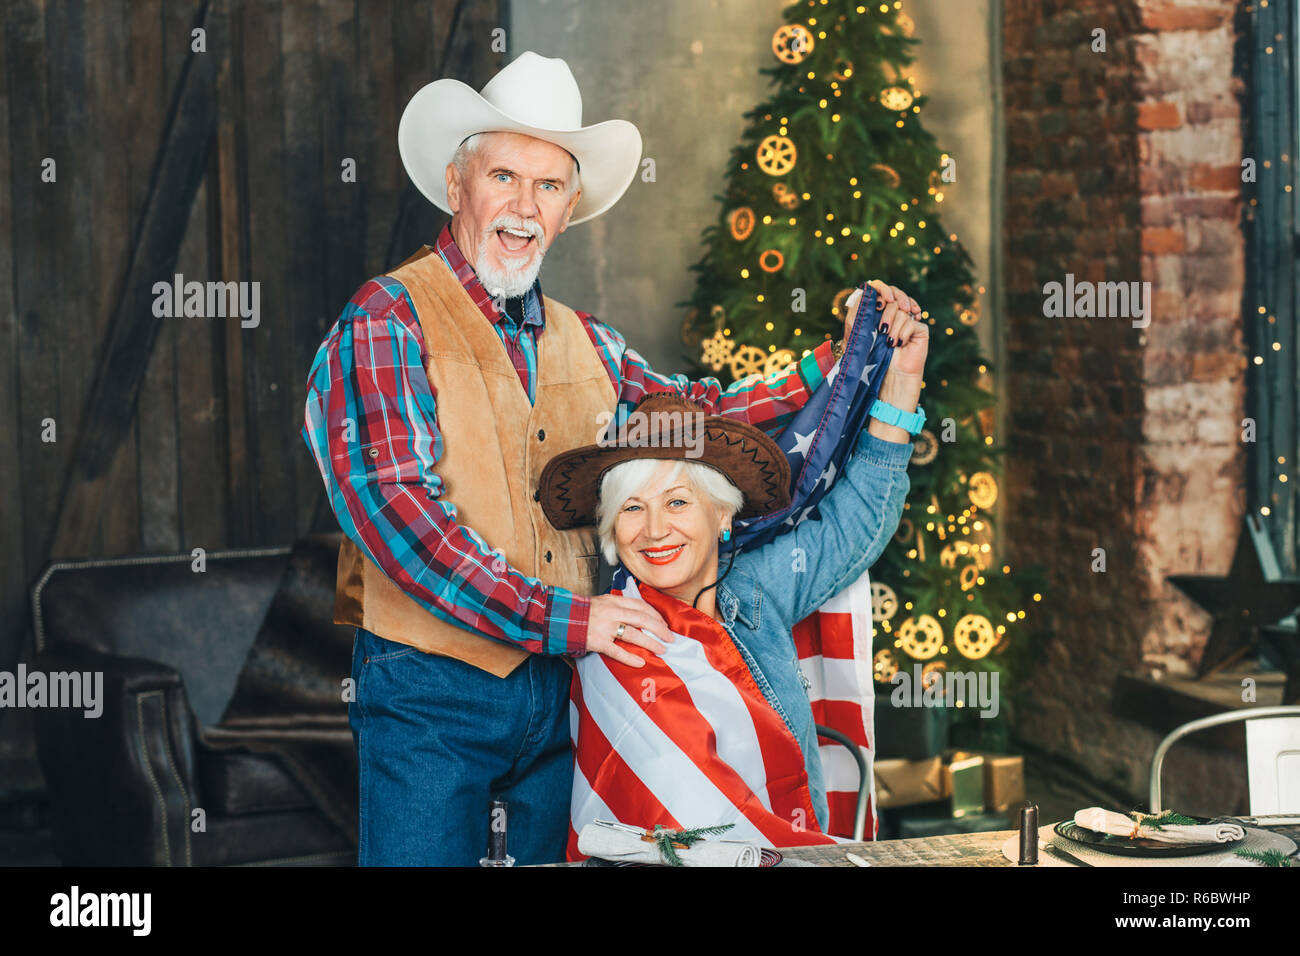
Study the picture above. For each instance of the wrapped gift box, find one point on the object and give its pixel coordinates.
(901, 783)
(963, 776)
(1004, 778)
(909, 733)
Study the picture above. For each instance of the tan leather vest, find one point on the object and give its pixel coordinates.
(495, 445)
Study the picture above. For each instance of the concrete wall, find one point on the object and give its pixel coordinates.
(685, 72)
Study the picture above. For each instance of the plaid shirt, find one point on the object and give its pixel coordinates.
(368, 383)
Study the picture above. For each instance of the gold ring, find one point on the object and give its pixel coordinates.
(621, 629)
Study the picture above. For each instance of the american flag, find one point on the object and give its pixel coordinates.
(687, 740)
(833, 643)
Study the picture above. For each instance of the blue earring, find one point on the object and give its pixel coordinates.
(726, 535)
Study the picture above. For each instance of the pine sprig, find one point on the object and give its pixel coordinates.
(666, 837)
(1266, 857)
(1158, 821)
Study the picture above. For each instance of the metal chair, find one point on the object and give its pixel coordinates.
(1272, 756)
(864, 778)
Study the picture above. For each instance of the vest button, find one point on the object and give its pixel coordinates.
(548, 557)
(541, 434)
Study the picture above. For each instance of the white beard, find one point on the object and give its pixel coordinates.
(510, 281)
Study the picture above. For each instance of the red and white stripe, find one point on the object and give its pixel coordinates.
(688, 739)
(834, 645)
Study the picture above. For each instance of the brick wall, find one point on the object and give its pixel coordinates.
(1121, 166)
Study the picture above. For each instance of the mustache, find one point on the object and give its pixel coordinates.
(534, 229)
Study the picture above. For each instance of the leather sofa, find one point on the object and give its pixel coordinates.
(167, 775)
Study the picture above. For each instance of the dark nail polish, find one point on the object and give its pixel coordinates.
(892, 342)
(882, 328)
(880, 303)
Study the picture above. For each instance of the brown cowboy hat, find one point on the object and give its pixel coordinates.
(570, 482)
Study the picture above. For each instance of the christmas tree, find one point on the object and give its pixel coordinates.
(835, 182)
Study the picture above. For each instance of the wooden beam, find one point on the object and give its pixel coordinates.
(416, 216)
(124, 355)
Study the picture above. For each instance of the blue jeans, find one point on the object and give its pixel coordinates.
(438, 739)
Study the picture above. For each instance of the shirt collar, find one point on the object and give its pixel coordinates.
(534, 310)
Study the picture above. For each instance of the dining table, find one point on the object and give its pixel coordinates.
(954, 849)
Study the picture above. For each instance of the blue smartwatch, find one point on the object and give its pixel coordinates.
(910, 422)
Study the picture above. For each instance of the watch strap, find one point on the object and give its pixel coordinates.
(910, 422)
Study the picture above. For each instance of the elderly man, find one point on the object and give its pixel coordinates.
(434, 402)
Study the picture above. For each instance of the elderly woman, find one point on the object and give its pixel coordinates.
(718, 728)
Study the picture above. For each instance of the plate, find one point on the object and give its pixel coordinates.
(1124, 846)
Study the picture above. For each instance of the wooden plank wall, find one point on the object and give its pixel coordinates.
(213, 457)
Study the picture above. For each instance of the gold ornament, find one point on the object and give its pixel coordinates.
(927, 448)
(962, 549)
(983, 490)
(786, 197)
(792, 43)
(974, 636)
(742, 223)
(717, 350)
(921, 637)
(837, 305)
(895, 98)
(904, 532)
(969, 577)
(771, 260)
(843, 69)
(778, 361)
(932, 672)
(776, 155)
(884, 666)
(889, 173)
(884, 602)
(747, 360)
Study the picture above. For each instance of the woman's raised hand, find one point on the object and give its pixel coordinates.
(641, 625)
(899, 317)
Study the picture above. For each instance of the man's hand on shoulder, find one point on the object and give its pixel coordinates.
(642, 625)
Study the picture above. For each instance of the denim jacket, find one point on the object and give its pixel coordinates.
(761, 600)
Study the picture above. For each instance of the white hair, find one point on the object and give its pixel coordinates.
(630, 477)
(471, 146)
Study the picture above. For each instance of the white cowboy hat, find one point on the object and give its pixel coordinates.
(535, 95)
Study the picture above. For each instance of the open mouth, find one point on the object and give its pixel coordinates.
(515, 241)
(662, 555)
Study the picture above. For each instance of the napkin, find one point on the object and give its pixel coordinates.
(623, 844)
(1105, 821)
